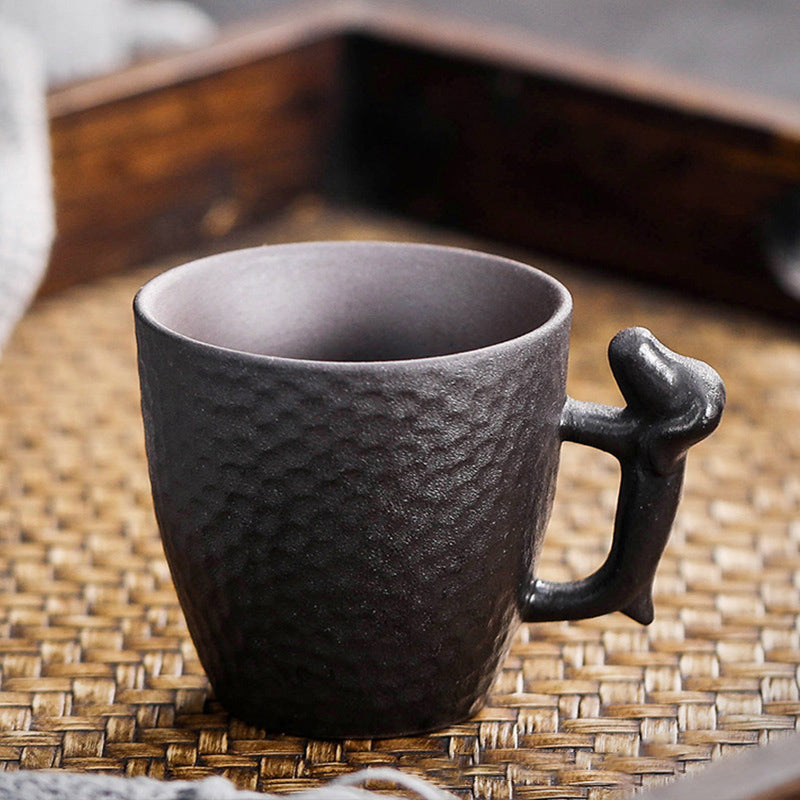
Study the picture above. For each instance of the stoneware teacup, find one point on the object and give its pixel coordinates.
(353, 451)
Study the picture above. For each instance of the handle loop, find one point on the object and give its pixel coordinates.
(673, 402)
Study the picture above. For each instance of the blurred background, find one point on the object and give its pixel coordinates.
(655, 138)
(743, 43)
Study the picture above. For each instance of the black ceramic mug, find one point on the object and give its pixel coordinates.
(353, 451)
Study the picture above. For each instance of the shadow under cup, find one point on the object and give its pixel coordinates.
(352, 450)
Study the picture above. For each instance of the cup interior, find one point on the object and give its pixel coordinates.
(353, 301)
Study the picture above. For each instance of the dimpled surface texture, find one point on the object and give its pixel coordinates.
(349, 542)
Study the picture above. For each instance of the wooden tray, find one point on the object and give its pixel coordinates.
(496, 133)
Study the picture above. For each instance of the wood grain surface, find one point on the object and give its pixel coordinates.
(643, 178)
(147, 164)
(499, 134)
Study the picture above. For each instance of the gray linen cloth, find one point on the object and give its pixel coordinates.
(50, 785)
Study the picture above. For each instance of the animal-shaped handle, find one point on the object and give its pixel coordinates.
(673, 402)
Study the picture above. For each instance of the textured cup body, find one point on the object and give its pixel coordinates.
(349, 540)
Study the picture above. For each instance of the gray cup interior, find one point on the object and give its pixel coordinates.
(353, 301)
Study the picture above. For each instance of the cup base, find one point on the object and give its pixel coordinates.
(408, 722)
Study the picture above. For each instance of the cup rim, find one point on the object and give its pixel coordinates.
(147, 293)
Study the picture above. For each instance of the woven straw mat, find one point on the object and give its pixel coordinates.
(97, 671)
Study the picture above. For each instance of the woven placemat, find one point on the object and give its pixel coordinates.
(97, 671)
